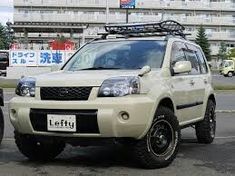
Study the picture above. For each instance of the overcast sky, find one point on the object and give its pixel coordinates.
(6, 11)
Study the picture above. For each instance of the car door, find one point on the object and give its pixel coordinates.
(181, 86)
(206, 78)
(198, 83)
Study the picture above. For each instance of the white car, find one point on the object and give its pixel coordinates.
(139, 84)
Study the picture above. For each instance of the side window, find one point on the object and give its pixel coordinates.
(192, 57)
(201, 58)
(177, 53)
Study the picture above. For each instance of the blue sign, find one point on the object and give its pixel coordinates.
(47, 58)
(23, 58)
(127, 4)
(39, 58)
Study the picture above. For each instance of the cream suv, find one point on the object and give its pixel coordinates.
(139, 85)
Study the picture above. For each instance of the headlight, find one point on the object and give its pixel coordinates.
(26, 87)
(120, 86)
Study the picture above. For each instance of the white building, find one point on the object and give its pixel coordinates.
(38, 21)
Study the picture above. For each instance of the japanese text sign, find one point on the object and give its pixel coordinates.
(23, 58)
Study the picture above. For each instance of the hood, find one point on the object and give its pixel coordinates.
(80, 78)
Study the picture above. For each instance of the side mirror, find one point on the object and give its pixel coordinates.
(146, 69)
(182, 67)
(56, 67)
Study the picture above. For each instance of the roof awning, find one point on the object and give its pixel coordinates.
(50, 28)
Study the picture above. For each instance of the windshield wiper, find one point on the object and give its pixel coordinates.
(101, 68)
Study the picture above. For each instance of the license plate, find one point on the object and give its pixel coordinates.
(64, 123)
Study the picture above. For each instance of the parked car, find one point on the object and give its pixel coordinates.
(1, 116)
(228, 67)
(138, 84)
(4, 62)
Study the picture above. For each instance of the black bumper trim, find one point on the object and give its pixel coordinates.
(86, 120)
(189, 105)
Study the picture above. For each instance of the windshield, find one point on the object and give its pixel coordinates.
(227, 63)
(118, 55)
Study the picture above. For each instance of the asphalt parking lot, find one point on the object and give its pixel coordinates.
(221, 80)
(217, 159)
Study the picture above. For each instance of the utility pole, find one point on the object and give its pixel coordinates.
(127, 4)
(127, 11)
(107, 11)
(163, 14)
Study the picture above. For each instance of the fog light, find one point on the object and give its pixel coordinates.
(13, 113)
(125, 115)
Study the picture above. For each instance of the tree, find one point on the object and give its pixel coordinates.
(231, 53)
(222, 51)
(6, 36)
(202, 41)
(61, 38)
(2, 45)
(3, 38)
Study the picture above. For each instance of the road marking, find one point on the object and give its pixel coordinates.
(6, 102)
(226, 137)
(9, 93)
(8, 139)
(225, 111)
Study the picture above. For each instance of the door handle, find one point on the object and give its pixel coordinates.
(205, 81)
(192, 82)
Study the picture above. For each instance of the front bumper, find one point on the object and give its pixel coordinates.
(3, 72)
(110, 123)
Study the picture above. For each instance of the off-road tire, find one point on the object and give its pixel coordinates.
(37, 150)
(1, 125)
(144, 150)
(205, 130)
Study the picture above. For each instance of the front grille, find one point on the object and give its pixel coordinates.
(86, 120)
(65, 93)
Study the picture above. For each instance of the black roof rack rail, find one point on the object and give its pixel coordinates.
(168, 27)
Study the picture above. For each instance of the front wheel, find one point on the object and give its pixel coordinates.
(1, 125)
(160, 146)
(230, 74)
(205, 130)
(38, 150)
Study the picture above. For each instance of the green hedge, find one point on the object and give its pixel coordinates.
(224, 87)
(8, 83)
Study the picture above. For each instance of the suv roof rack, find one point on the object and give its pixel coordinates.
(168, 27)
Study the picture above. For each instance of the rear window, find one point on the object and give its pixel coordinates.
(3, 57)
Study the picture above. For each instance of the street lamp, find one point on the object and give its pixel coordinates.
(107, 11)
(41, 40)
